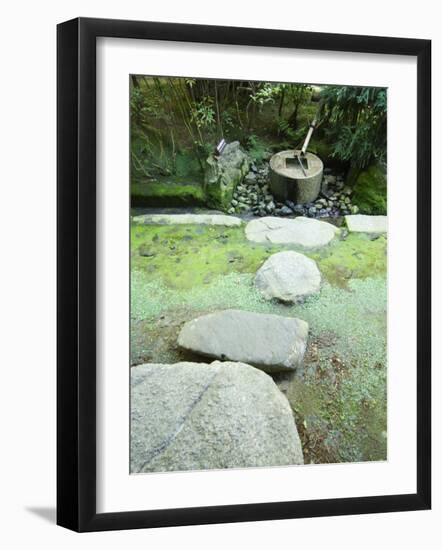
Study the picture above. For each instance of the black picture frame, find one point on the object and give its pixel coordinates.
(76, 273)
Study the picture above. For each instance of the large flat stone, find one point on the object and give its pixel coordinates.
(172, 219)
(270, 342)
(303, 232)
(194, 416)
(289, 277)
(359, 223)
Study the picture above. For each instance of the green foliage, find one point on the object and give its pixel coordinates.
(324, 150)
(151, 154)
(228, 120)
(356, 257)
(176, 123)
(356, 123)
(187, 166)
(166, 125)
(266, 93)
(170, 116)
(256, 148)
(370, 191)
(152, 146)
(143, 106)
(203, 113)
(297, 94)
(286, 129)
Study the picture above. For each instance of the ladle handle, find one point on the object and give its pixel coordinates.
(308, 137)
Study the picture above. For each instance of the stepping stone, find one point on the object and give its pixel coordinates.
(195, 416)
(304, 232)
(359, 223)
(270, 342)
(288, 277)
(172, 219)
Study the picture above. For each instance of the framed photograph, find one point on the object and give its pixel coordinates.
(243, 274)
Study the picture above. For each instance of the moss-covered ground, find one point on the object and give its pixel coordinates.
(339, 403)
(370, 191)
(167, 192)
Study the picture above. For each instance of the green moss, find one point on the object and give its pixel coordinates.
(205, 267)
(341, 413)
(186, 256)
(340, 403)
(355, 316)
(219, 195)
(166, 193)
(307, 112)
(356, 257)
(370, 191)
(187, 165)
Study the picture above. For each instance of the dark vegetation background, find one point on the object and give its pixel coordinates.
(176, 123)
